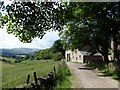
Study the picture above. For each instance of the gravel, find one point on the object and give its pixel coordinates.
(90, 78)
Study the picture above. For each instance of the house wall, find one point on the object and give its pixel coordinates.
(81, 56)
(75, 56)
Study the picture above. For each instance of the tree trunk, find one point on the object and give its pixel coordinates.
(104, 50)
(115, 43)
(105, 58)
(116, 53)
(105, 54)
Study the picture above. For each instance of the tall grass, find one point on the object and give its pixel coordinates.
(62, 76)
(16, 74)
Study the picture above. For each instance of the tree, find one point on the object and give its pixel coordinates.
(58, 47)
(28, 20)
(2, 6)
(57, 56)
(101, 22)
(43, 54)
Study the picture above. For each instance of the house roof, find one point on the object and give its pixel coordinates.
(86, 48)
(84, 52)
(88, 53)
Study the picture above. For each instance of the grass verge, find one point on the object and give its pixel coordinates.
(106, 70)
(63, 76)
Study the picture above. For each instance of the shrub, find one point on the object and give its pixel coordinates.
(57, 56)
(62, 75)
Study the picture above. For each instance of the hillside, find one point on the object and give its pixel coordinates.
(16, 74)
(16, 51)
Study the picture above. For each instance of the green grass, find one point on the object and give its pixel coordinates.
(63, 76)
(16, 74)
(12, 60)
(105, 70)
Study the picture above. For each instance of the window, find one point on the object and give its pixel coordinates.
(79, 56)
(76, 58)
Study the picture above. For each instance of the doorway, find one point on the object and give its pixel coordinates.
(68, 57)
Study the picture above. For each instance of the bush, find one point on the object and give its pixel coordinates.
(57, 56)
(62, 76)
(42, 54)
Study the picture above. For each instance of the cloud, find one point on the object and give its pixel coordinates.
(10, 41)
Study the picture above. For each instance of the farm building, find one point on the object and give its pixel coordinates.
(81, 56)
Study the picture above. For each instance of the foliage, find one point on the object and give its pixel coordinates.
(88, 25)
(58, 47)
(42, 54)
(28, 20)
(62, 76)
(56, 52)
(9, 59)
(16, 74)
(57, 56)
(106, 70)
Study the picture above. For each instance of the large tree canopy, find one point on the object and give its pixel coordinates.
(93, 24)
(28, 20)
(88, 23)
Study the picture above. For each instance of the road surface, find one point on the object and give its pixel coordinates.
(88, 78)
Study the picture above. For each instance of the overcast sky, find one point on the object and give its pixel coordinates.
(10, 41)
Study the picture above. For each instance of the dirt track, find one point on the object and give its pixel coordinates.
(88, 78)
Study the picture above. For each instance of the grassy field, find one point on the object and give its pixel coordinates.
(16, 74)
(12, 60)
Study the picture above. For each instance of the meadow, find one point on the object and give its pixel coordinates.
(12, 60)
(16, 73)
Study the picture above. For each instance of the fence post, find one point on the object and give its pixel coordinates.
(55, 72)
(28, 79)
(35, 78)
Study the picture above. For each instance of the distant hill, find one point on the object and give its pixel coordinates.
(17, 51)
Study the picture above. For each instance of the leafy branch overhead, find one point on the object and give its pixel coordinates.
(28, 20)
(92, 24)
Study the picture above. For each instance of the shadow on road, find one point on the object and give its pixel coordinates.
(103, 75)
(85, 68)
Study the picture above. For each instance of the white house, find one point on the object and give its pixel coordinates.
(81, 56)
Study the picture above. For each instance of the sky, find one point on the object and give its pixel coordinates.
(10, 41)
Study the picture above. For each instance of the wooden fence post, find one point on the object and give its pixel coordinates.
(28, 79)
(35, 78)
(55, 72)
